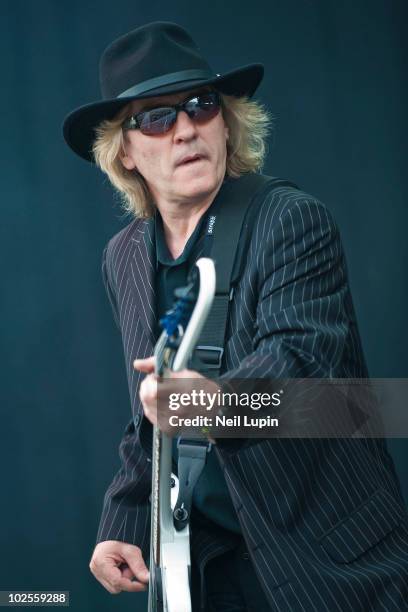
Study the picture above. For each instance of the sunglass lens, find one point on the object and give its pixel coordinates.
(203, 107)
(157, 120)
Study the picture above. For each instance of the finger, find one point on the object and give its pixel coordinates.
(184, 374)
(109, 577)
(116, 575)
(123, 584)
(114, 581)
(108, 586)
(148, 391)
(127, 572)
(145, 365)
(136, 563)
(132, 586)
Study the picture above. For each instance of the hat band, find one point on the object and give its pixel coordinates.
(168, 79)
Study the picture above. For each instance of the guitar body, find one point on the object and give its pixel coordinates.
(170, 564)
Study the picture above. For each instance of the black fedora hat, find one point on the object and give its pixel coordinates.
(156, 59)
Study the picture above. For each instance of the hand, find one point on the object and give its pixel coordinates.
(119, 567)
(148, 393)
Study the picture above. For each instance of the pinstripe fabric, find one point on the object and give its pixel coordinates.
(323, 519)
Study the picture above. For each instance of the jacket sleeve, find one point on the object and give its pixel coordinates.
(304, 309)
(126, 507)
(305, 326)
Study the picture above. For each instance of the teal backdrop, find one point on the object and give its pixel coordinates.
(336, 85)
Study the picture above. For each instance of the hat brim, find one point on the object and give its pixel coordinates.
(79, 126)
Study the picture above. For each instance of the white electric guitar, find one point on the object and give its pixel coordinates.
(169, 586)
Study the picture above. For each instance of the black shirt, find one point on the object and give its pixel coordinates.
(211, 497)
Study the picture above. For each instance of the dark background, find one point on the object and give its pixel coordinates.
(335, 81)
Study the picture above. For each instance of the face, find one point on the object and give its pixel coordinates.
(159, 158)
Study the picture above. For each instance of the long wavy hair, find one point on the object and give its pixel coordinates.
(247, 120)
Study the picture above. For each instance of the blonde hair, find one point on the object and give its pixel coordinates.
(248, 123)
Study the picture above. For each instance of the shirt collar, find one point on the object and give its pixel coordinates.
(163, 255)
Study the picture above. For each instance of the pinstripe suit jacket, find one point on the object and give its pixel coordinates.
(323, 519)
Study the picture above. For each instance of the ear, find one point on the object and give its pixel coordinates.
(127, 161)
(226, 132)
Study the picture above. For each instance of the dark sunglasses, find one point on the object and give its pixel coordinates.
(200, 108)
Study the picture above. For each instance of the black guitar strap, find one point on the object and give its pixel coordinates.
(228, 233)
(227, 240)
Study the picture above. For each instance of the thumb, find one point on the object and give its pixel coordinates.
(145, 365)
(135, 561)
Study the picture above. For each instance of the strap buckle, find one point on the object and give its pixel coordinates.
(192, 456)
(214, 355)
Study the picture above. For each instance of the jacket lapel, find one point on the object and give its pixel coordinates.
(143, 276)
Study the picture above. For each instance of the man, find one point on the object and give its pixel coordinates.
(289, 524)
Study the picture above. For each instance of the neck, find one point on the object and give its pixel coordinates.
(180, 220)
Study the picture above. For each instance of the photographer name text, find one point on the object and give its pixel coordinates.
(223, 421)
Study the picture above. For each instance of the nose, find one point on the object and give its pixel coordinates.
(185, 128)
